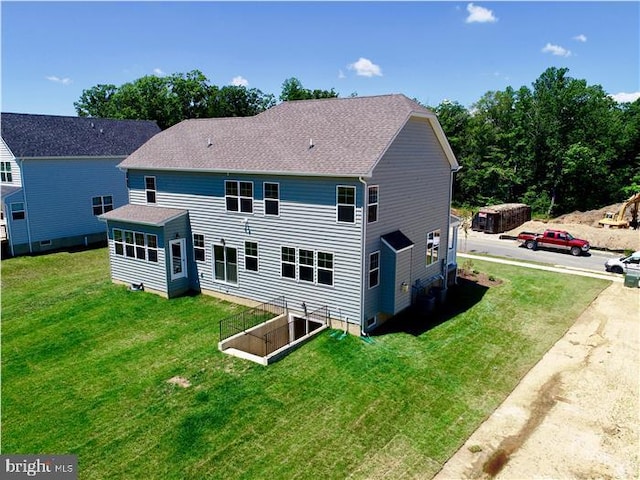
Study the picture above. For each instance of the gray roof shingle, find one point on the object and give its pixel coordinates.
(29, 136)
(143, 214)
(339, 136)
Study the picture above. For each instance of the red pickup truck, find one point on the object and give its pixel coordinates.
(554, 239)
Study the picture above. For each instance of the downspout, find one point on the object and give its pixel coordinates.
(26, 205)
(363, 245)
(446, 263)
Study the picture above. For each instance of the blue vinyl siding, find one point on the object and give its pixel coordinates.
(59, 193)
(131, 270)
(16, 229)
(307, 220)
(414, 179)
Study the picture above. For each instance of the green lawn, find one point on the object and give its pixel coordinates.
(85, 364)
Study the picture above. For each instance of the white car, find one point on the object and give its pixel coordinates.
(620, 265)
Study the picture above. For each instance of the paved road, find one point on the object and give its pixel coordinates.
(481, 243)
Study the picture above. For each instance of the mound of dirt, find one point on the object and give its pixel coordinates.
(590, 217)
(580, 227)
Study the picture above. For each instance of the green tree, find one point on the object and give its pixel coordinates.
(238, 101)
(292, 89)
(96, 102)
(171, 99)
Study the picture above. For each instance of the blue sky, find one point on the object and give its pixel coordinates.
(432, 51)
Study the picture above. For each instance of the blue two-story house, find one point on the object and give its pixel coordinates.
(342, 203)
(58, 174)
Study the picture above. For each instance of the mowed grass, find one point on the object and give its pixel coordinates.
(85, 365)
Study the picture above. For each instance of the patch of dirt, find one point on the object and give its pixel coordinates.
(575, 414)
(479, 278)
(180, 381)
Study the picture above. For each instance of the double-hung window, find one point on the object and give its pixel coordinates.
(374, 269)
(305, 265)
(433, 246)
(372, 204)
(238, 196)
(271, 198)
(198, 247)
(225, 260)
(251, 256)
(17, 211)
(5, 172)
(288, 262)
(150, 189)
(325, 268)
(102, 204)
(346, 204)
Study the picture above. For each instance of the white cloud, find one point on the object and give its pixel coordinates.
(580, 38)
(365, 68)
(341, 74)
(624, 97)
(63, 81)
(239, 81)
(556, 50)
(158, 71)
(480, 15)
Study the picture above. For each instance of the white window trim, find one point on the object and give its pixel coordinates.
(370, 270)
(312, 266)
(316, 266)
(240, 197)
(355, 202)
(124, 244)
(377, 204)
(332, 269)
(154, 190)
(432, 249)
(294, 263)
(265, 199)
(226, 275)
(257, 257)
(203, 247)
(183, 259)
(5, 170)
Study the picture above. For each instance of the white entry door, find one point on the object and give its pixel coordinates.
(178, 259)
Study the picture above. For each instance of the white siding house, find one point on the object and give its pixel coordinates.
(340, 203)
(59, 174)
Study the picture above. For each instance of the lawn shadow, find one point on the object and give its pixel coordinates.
(416, 320)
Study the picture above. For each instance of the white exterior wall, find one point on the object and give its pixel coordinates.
(7, 156)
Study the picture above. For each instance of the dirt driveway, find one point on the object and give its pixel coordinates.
(575, 415)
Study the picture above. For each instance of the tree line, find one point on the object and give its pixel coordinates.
(559, 146)
(170, 99)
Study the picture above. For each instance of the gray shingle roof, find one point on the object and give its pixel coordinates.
(30, 135)
(342, 137)
(144, 214)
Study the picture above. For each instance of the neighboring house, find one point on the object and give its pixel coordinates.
(342, 203)
(58, 174)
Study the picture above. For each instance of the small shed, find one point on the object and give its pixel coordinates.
(500, 218)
